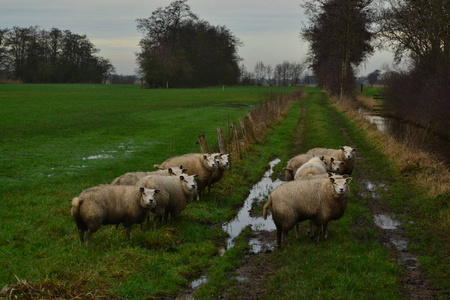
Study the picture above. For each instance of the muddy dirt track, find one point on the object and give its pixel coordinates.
(257, 268)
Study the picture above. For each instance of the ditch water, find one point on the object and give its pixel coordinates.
(406, 132)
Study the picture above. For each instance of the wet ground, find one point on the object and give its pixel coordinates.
(257, 265)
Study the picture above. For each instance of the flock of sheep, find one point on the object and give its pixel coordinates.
(317, 190)
(130, 198)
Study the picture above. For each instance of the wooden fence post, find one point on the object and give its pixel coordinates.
(222, 145)
(203, 144)
(236, 140)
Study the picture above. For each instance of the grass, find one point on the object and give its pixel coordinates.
(52, 141)
(57, 140)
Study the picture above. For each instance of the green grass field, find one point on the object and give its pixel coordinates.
(57, 140)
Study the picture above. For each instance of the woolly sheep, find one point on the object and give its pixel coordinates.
(332, 164)
(223, 165)
(132, 178)
(314, 166)
(345, 154)
(320, 200)
(111, 204)
(175, 192)
(201, 164)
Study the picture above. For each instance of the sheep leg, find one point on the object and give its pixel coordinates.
(128, 232)
(88, 237)
(279, 232)
(296, 231)
(325, 231)
(310, 230)
(285, 237)
(81, 233)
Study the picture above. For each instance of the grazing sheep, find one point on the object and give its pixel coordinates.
(132, 178)
(111, 204)
(201, 164)
(314, 166)
(345, 154)
(175, 192)
(320, 200)
(224, 165)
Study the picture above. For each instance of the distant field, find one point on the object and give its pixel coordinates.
(50, 132)
(56, 140)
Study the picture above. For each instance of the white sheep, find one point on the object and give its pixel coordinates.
(111, 204)
(132, 178)
(332, 164)
(320, 200)
(314, 166)
(201, 164)
(174, 194)
(345, 154)
(223, 163)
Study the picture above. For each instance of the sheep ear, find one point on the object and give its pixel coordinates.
(205, 157)
(141, 189)
(156, 191)
(348, 179)
(158, 167)
(181, 167)
(354, 149)
(342, 148)
(195, 175)
(344, 175)
(184, 171)
(330, 174)
(332, 159)
(170, 171)
(332, 179)
(181, 177)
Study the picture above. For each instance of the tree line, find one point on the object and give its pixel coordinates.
(285, 73)
(343, 33)
(35, 55)
(180, 50)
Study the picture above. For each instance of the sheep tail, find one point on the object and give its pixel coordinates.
(76, 202)
(268, 203)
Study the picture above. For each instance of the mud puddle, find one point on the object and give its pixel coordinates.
(393, 235)
(259, 244)
(258, 194)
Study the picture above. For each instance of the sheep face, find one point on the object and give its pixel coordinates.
(148, 197)
(336, 165)
(177, 171)
(348, 152)
(340, 184)
(224, 163)
(209, 161)
(188, 182)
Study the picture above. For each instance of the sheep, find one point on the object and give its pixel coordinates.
(345, 154)
(320, 200)
(296, 162)
(132, 178)
(201, 164)
(314, 166)
(223, 165)
(175, 191)
(111, 204)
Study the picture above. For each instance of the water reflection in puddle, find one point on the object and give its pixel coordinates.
(386, 222)
(258, 193)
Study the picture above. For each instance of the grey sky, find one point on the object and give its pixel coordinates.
(269, 29)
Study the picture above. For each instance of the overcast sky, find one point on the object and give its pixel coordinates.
(269, 29)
